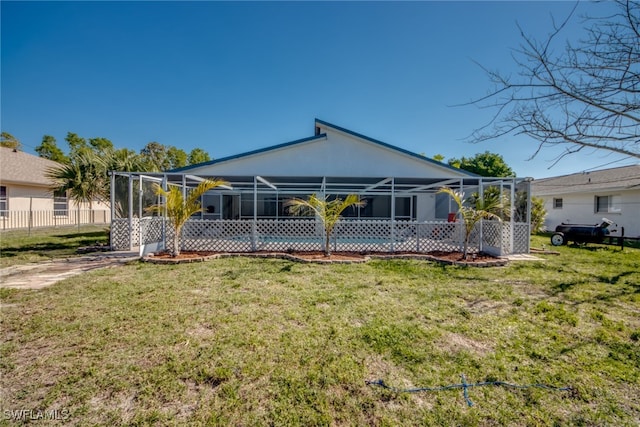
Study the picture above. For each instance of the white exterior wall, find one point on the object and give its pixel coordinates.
(579, 208)
(339, 155)
(426, 207)
(31, 206)
(23, 197)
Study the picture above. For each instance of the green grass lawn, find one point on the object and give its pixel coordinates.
(20, 246)
(248, 342)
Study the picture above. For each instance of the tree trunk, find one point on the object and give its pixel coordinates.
(466, 246)
(176, 242)
(327, 244)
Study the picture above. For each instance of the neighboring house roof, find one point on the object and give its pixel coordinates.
(615, 179)
(319, 136)
(18, 167)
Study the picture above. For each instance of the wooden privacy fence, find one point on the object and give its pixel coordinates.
(15, 220)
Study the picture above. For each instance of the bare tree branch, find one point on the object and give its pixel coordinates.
(587, 95)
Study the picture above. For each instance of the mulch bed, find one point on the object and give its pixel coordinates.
(473, 260)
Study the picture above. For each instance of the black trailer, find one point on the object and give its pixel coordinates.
(581, 233)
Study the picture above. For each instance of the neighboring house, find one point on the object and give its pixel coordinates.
(400, 189)
(587, 197)
(27, 198)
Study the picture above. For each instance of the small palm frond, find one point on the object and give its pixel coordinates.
(176, 205)
(323, 208)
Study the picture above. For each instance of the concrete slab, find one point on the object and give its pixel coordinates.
(43, 274)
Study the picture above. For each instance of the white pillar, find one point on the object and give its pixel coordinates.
(130, 186)
(393, 213)
(254, 225)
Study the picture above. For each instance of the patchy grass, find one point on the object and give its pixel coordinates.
(269, 342)
(20, 246)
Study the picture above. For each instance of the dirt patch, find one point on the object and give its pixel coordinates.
(316, 257)
(475, 260)
(456, 343)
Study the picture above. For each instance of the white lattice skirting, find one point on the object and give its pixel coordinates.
(307, 235)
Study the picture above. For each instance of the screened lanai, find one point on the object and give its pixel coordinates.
(250, 214)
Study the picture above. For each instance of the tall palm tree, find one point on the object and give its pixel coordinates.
(328, 211)
(472, 210)
(178, 209)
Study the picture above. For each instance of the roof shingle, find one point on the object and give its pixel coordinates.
(23, 168)
(622, 178)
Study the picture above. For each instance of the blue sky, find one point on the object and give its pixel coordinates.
(231, 77)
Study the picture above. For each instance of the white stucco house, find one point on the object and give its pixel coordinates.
(587, 197)
(403, 210)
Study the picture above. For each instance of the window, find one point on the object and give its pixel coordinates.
(607, 204)
(557, 203)
(4, 205)
(60, 203)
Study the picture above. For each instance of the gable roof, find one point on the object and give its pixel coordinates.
(319, 135)
(391, 147)
(614, 179)
(250, 153)
(18, 167)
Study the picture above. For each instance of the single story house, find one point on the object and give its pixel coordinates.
(587, 197)
(27, 198)
(403, 210)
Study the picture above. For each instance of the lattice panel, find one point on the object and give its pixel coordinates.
(217, 235)
(308, 235)
(405, 236)
(135, 232)
(439, 236)
(474, 237)
(506, 238)
(295, 234)
(151, 230)
(362, 236)
(492, 232)
(521, 238)
(120, 234)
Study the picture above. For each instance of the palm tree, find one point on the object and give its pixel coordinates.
(496, 198)
(328, 211)
(84, 179)
(474, 209)
(179, 209)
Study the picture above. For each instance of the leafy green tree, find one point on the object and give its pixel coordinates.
(77, 144)
(328, 211)
(160, 158)
(538, 214)
(154, 156)
(537, 211)
(484, 164)
(49, 149)
(177, 157)
(198, 155)
(9, 141)
(472, 210)
(100, 145)
(178, 209)
(438, 158)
